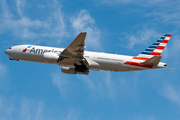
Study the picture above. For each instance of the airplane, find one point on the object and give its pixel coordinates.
(74, 60)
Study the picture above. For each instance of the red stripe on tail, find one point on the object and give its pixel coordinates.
(165, 41)
(160, 47)
(140, 58)
(156, 53)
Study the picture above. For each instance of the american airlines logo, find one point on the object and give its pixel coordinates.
(26, 49)
(41, 51)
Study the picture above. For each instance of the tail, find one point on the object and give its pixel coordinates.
(152, 55)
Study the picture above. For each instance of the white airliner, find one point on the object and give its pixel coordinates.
(74, 60)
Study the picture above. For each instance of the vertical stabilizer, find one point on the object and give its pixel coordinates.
(155, 49)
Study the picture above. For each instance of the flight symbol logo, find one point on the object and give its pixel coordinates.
(24, 50)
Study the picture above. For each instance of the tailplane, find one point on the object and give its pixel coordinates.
(153, 60)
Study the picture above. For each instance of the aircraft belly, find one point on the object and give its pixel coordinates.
(118, 66)
(134, 68)
(109, 65)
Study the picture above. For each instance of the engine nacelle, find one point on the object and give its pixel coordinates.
(70, 70)
(50, 57)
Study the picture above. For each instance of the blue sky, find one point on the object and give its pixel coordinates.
(35, 91)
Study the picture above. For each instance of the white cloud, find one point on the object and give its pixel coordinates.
(83, 22)
(110, 85)
(139, 2)
(6, 108)
(72, 115)
(3, 69)
(31, 110)
(18, 26)
(171, 92)
(142, 37)
(3, 75)
(25, 28)
(115, 2)
(106, 85)
(15, 108)
(100, 85)
(57, 26)
(174, 49)
(59, 79)
(166, 16)
(20, 5)
(164, 11)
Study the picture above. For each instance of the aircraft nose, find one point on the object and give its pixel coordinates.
(7, 51)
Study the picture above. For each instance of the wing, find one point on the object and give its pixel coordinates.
(75, 51)
(76, 48)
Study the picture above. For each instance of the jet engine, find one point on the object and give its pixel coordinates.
(78, 69)
(50, 57)
(68, 70)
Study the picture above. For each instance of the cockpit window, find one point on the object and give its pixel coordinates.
(10, 48)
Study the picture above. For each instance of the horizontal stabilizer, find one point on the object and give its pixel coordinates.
(154, 60)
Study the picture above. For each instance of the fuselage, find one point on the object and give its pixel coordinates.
(99, 60)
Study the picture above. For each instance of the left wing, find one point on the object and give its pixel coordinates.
(76, 48)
